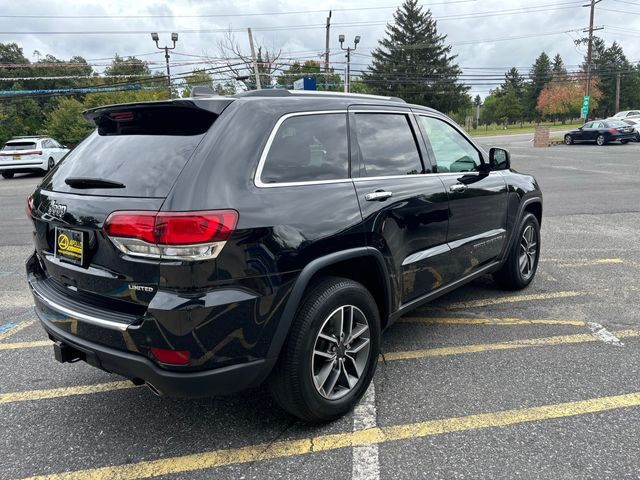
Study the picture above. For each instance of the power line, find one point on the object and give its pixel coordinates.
(226, 15)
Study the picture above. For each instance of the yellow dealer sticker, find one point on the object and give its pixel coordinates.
(70, 246)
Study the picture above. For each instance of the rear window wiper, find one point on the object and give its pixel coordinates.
(87, 182)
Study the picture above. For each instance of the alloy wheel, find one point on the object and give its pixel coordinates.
(50, 164)
(528, 252)
(600, 140)
(340, 352)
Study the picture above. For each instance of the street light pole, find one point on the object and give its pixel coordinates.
(166, 48)
(347, 73)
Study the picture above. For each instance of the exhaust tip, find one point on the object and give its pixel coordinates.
(154, 390)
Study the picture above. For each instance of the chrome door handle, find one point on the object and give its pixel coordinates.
(458, 187)
(378, 196)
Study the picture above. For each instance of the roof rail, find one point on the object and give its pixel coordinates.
(28, 136)
(280, 92)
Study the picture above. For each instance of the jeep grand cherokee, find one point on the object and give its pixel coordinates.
(205, 245)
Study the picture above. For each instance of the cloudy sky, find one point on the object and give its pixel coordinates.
(488, 36)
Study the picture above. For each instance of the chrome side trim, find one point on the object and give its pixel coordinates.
(447, 247)
(429, 252)
(481, 236)
(265, 152)
(100, 322)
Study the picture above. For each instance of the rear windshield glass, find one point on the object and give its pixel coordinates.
(616, 123)
(19, 146)
(143, 151)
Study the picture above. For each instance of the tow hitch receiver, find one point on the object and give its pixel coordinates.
(65, 353)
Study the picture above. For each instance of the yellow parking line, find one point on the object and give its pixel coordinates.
(486, 321)
(323, 443)
(29, 395)
(511, 299)
(18, 345)
(583, 263)
(489, 347)
(16, 329)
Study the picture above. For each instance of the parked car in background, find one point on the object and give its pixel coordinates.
(601, 132)
(626, 114)
(28, 154)
(635, 123)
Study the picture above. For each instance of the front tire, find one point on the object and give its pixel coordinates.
(600, 140)
(331, 353)
(521, 264)
(7, 175)
(568, 140)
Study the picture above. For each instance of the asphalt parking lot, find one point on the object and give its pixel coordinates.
(482, 383)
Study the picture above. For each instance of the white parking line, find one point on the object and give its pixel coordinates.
(365, 464)
(603, 334)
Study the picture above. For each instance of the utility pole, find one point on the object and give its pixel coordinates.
(326, 53)
(347, 73)
(174, 39)
(255, 60)
(618, 92)
(592, 5)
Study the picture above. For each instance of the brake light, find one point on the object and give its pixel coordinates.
(613, 130)
(174, 357)
(122, 115)
(171, 235)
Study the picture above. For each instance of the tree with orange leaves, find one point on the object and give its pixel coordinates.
(563, 99)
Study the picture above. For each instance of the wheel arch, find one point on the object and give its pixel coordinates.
(532, 204)
(364, 265)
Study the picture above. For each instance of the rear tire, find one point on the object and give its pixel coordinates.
(320, 387)
(624, 141)
(7, 175)
(568, 140)
(600, 140)
(50, 164)
(521, 264)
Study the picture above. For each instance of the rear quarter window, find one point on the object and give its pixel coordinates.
(307, 148)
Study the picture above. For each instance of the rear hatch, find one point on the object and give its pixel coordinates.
(130, 163)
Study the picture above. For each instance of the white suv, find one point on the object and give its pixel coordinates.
(27, 154)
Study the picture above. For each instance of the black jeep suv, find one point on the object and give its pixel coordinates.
(205, 245)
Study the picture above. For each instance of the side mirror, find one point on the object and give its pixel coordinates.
(499, 159)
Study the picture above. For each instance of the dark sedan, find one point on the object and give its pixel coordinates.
(601, 132)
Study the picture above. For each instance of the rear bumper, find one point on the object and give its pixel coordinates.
(22, 166)
(220, 381)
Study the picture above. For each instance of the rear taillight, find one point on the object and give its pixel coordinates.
(613, 130)
(171, 235)
(29, 207)
(174, 357)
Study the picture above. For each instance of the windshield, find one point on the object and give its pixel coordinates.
(19, 146)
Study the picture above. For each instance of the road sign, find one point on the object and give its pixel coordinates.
(585, 107)
(306, 83)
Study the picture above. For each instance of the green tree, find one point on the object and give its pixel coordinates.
(414, 62)
(558, 70)
(127, 66)
(310, 68)
(197, 78)
(66, 124)
(607, 64)
(539, 76)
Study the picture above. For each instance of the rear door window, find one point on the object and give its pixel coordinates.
(387, 145)
(145, 148)
(308, 148)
